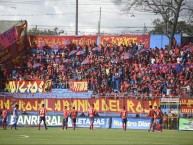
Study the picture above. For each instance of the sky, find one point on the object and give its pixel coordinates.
(48, 14)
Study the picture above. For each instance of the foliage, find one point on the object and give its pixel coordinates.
(169, 10)
(35, 31)
(182, 27)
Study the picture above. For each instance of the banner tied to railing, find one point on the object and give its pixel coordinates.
(108, 105)
(28, 86)
(78, 86)
(186, 105)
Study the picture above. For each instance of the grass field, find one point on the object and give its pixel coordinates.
(98, 136)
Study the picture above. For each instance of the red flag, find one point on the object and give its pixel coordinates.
(20, 29)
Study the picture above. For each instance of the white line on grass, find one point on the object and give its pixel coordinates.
(24, 136)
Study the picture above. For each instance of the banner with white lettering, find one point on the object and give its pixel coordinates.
(85, 122)
(56, 120)
(78, 86)
(132, 123)
(33, 120)
(186, 106)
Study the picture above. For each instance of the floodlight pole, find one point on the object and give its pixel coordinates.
(99, 23)
(76, 19)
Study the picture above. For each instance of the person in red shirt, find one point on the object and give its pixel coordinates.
(4, 116)
(65, 119)
(123, 115)
(91, 114)
(73, 115)
(42, 112)
(151, 116)
(158, 118)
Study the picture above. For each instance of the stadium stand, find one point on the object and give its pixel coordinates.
(130, 71)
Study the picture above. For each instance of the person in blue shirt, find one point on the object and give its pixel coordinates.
(15, 116)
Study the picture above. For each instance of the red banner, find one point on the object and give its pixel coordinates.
(78, 86)
(127, 39)
(133, 106)
(55, 42)
(20, 29)
(186, 105)
(13, 47)
(25, 86)
(8, 38)
(4, 55)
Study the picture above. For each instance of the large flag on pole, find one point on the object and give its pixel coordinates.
(98, 40)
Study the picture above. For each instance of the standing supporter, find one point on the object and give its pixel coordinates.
(65, 119)
(123, 115)
(158, 118)
(91, 114)
(73, 115)
(151, 116)
(165, 120)
(42, 113)
(4, 117)
(160, 115)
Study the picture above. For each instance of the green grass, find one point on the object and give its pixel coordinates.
(98, 136)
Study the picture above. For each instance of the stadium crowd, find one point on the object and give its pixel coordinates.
(111, 68)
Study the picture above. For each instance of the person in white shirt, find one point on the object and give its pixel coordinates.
(140, 46)
(179, 59)
(152, 60)
(15, 116)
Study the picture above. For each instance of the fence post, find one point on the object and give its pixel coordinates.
(55, 104)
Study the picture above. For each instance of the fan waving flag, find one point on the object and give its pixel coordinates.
(86, 61)
(67, 60)
(190, 48)
(37, 65)
(116, 60)
(81, 52)
(55, 46)
(127, 56)
(20, 29)
(144, 51)
(95, 49)
(72, 52)
(41, 45)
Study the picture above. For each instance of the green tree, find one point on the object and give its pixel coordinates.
(35, 31)
(169, 10)
(183, 27)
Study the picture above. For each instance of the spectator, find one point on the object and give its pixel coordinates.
(147, 73)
